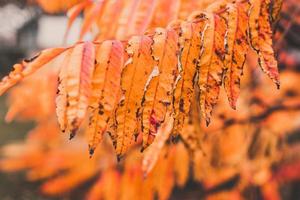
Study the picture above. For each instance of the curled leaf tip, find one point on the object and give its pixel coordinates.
(91, 152)
(145, 146)
(119, 157)
(207, 121)
(278, 85)
(233, 104)
(175, 139)
(72, 135)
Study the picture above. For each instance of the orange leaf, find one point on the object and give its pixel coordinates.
(75, 79)
(134, 78)
(29, 66)
(191, 39)
(73, 13)
(158, 97)
(211, 64)
(105, 89)
(260, 34)
(236, 49)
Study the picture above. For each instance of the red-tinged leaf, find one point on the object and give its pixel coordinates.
(73, 14)
(75, 82)
(158, 97)
(152, 152)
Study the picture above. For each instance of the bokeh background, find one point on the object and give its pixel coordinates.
(25, 29)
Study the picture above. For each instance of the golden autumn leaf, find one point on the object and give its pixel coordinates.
(158, 96)
(211, 63)
(236, 49)
(135, 74)
(190, 52)
(105, 89)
